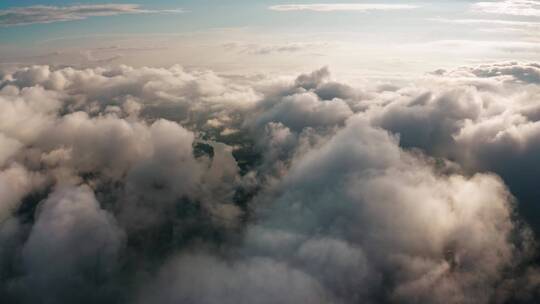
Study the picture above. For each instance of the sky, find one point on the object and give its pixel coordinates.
(382, 38)
(263, 152)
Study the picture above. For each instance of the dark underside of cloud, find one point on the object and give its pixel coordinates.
(147, 185)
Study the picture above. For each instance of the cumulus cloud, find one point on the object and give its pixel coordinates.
(49, 14)
(205, 279)
(313, 101)
(15, 183)
(363, 7)
(527, 73)
(359, 207)
(73, 245)
(359, 219)
(489, 122)
(8, 147)
(164, 185)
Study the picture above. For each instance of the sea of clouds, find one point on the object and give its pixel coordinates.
(162, 185)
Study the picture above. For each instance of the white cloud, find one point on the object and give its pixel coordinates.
(488, 21)
(465, 47)
(205, 279)
(362, 7)
(509, 7)
(72, 242)
(347, 195)
(359, 205)
(49, 14)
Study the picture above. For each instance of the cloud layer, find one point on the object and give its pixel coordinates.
(147, 185)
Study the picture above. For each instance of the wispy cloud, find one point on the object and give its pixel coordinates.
(480, 46)
(509, 7)
(488, 21)
(276, 48)
(49, 14)
(363, 7)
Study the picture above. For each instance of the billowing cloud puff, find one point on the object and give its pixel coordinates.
(528, 73)
(165, 185)
(306, 109)
(15, 183)
(486, 121)
(204, 279)
(73, 245)
(362, 209)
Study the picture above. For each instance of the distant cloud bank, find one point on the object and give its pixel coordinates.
(510, 7)
(322, 7)
(49, 14)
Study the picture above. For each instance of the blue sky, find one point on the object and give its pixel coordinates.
(209, 14)
(424, 36)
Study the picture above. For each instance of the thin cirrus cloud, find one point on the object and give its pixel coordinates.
(50, 14)
(327, 7)
(488, 21)
(509, 7)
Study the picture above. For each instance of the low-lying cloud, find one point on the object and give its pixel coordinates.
(147, 185)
